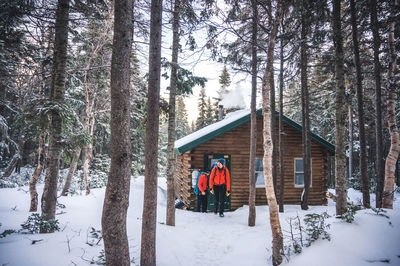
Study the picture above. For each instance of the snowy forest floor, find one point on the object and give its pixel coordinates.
(197, 239)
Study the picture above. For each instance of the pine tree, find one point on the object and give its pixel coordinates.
(182, 124)
(360, 105)
(224, 81)
(116, 198)
(210, 111)
(170, 215)
(202, 110)
(49, 196)
(149, 222)
(340, 155)
(253, 117)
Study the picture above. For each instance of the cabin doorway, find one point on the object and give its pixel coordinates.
(209, 161)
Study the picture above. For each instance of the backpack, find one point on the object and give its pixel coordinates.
(196, 187)
(215, 165)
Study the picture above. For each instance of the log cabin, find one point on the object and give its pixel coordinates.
(230, 139)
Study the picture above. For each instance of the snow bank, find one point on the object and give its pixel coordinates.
(197, 238)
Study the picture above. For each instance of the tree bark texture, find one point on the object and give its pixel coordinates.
(71, 171)
(116, 200)
(170, 218)
(277, 237)
(380, 176)
(351, 139)
(305, 110)
(273, 132)
(49, 197)
(391, 159)
(149, 222)
(340, 129)
(38, 170)
(281, 133)
(360, 105)
(253, 118)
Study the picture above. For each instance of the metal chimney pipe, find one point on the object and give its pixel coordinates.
(221, 112)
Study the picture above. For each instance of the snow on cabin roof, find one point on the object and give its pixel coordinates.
(231, 121)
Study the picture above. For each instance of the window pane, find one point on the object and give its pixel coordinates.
(260, 179)
(299, 179)
(213, 161)
(299, 165)
(259, 164)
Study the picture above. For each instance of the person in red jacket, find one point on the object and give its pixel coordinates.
(202, 195)
(220, 185)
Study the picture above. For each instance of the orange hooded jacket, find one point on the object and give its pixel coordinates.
(218, 177)
(202, 182)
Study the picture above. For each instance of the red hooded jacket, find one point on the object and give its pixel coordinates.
(220, 177)
(202, 184)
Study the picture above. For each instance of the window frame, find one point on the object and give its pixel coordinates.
(255, 174)
(296, 172)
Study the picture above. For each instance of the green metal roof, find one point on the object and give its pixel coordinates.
(238, 122)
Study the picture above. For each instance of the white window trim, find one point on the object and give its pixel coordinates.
(255, 172)
(294, 172)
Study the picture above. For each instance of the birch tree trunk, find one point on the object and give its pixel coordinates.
(149, 222)
(170, 218)
(116, 200)
(49, 197)
(277, 237)
(340, 129)
(380, 176)
(253, 123)
(38, 170)
(281, 133)
(71, 171)
(391, 159)
(360, 104)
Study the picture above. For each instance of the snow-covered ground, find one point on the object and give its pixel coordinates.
(197, 239)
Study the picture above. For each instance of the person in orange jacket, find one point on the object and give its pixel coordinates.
(220, 186)
(202, 195)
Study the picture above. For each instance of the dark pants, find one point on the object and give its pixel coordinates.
(219, 198)
(201, 202)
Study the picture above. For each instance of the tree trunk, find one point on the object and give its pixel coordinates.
(305, 111)
(281, 133)
(149, 222)
(340, 128)
(380, 178)
(170, 219)
(391, 160)
(116, 200)
(38, 170)
(12, 165)
(360, 104)
(86, 158)
(273, 132)
(351, 139)
(71, 171)
(277, 237)
(253, 123)
(49, 197)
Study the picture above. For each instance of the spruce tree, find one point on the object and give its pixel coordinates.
(202, 108)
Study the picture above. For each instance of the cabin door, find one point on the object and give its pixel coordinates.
(209, 161)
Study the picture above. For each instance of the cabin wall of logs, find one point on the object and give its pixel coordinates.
(236, 143)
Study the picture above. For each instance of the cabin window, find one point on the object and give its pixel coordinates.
(259, 172)
(299, 172)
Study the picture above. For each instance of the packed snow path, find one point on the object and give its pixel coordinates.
(197, 238)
